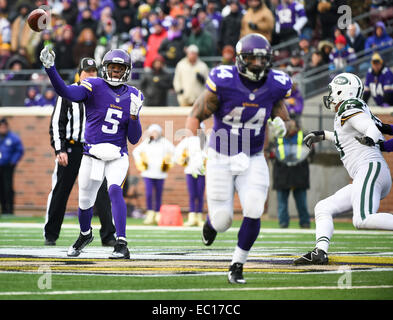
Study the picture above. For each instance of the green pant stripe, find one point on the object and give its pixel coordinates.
(372, 187)
(363, 195)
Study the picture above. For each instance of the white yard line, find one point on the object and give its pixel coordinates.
(157, 228)
(79, 292)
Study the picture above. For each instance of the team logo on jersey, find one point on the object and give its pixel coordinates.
(341, 80)
(251, 96)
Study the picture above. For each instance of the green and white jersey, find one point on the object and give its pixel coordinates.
(352, 153)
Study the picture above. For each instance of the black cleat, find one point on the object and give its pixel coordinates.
(108, 243)
(49, 242)
(317, 256)
(235, 274)
(80, 243)
(208, 234)
(120, 251)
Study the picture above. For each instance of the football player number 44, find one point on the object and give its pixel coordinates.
(111, 116)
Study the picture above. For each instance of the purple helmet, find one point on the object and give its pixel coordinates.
(116, 56)
(249, 48)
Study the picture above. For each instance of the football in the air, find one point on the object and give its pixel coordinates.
(38, 20)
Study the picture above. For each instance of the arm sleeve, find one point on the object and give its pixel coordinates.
(363, 123)
(73, 93)
(134, 132)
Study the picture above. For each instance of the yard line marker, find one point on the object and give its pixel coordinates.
(197, 229)
(71, 292)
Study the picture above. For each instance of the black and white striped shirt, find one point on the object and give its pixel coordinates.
(67, 124)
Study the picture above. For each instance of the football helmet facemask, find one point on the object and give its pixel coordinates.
(116, 56)
(343, 86)
(253, 56)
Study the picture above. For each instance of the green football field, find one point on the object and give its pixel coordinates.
(171, 263)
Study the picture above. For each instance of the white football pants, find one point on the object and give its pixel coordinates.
(114, 171)
(371, 184)
(221, 183)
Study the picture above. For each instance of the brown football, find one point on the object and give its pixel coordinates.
(38, 20)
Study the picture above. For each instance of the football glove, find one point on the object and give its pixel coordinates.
(367, 141)
(278, 127)
(136, 104)
(47, 57)
(314, 136)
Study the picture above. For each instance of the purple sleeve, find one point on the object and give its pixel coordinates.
(73, 93)
(388, 145)
(134, 132)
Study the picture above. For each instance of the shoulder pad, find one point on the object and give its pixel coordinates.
(219, 76)
(350, 106)
(281, 82)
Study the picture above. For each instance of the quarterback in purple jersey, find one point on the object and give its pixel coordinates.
(112, 116)
(242, 99)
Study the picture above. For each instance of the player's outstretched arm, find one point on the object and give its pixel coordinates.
(73, 93)
(206, 104)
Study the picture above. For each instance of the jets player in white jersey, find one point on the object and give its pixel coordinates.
(356, 138)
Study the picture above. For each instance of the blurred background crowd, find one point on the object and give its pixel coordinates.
(170, 40)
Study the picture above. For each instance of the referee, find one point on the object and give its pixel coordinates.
(67, 136)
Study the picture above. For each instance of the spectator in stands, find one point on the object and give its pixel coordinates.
(87, 21)
(355, 38)
(64, 47)
(295, 102)
(33, 97)
(325, 48)
(328, 15)
(190, 76)
(155, 83)
(296, 63)
(46, 40)
(154, 41)
(107, 39)
(290, 19)
(311, 8)
(380, 39)
(257, 19)
(341, 56)
(11, 150)
(315, 62)
(5, 29)
(5, 54)
(143, 16)
(305, 49)
(228, 55)
(20, 30)
(85, 45)
(229, 32)
(153, 158)
(48, 98)
(137, 48)
(70, 12)
(124, 16)
(202, 39)
(172, 48)
(379, 82)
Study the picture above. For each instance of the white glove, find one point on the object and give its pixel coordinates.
(277, 125)
(47, 57)
(314, 136)
(195, 163)
(136, 103)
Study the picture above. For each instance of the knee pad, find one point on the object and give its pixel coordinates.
(86, 201)
(254, 204)
(220, 219)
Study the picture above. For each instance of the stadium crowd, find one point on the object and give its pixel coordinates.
(157, 32)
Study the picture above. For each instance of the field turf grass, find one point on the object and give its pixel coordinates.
(173, 264)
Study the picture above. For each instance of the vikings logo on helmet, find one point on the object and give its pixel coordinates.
(116, 56)
(249, 48)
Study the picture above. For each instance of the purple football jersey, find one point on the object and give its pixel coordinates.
(287, 14)
(239, 123)
(107, 113)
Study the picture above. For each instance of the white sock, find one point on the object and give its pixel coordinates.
(86, 232)
(239, 256)
(323, 231)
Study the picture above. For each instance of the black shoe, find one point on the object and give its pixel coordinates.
(317, 256)
(80, 243)
(121, 251)
(235, 274)
(108, 243)
(208, 234)
(49, 242)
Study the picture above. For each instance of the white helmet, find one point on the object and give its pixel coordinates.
(343, 86)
